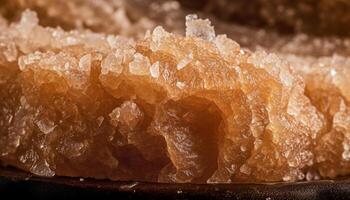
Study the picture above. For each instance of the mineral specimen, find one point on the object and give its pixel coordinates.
(169, 108)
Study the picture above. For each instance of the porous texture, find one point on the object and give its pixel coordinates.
(168, 108)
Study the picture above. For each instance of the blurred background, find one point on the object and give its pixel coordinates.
(277, 25)
(317, 17)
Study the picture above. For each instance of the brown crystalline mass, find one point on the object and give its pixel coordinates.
(168, 108)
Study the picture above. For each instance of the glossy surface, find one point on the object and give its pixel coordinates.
(14, 182)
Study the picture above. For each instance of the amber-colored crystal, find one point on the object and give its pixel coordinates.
(168, 108)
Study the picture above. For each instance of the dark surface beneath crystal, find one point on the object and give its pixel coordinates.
(14, 183)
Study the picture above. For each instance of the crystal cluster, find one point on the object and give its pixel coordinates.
(169, 108)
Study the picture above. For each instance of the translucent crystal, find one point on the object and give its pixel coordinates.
(128, 115)
(111, 64)
(155, 70)
(157, 35)
(199, 28)
(184, 62)
(245, 169)
(346, 155)
(226, 46)
(140, 65)
(180, 85)
(11, 52)
(45, 126)
(85, 63)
